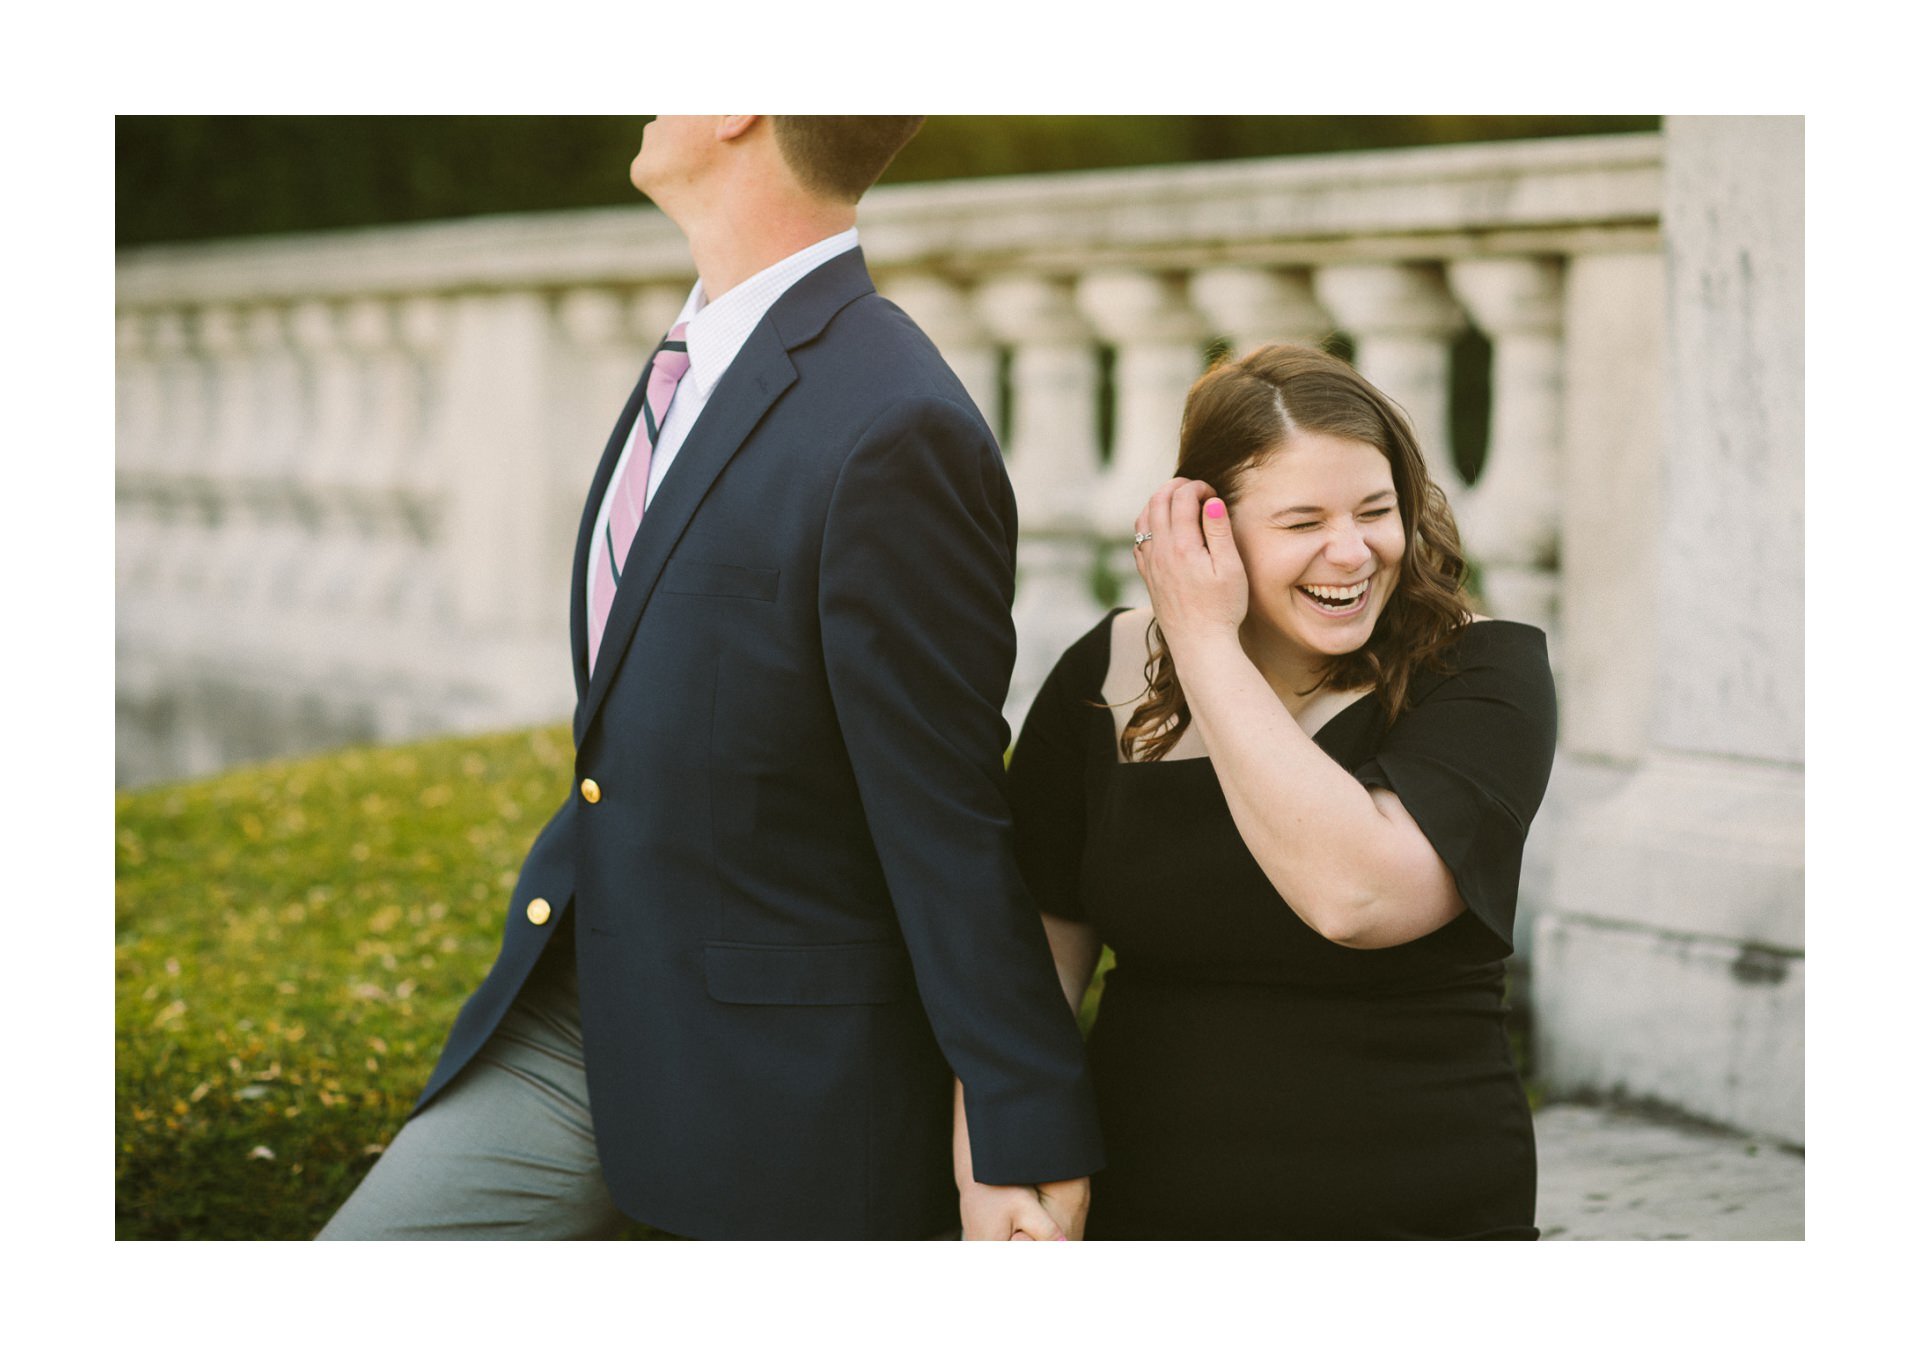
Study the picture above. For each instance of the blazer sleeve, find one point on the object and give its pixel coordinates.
(916, 589)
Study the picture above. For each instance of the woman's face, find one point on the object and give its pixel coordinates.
(1318, 527)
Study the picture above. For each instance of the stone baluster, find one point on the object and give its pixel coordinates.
(421, 475)
(138, 409)
(233, 458)
(1053, 456)
(608, 332)
(1403, 321)
(184, 508)
(371, 476)
(1157, 336)
(1052, 448)
(332, 576)
(495, 427)
(281, 441)
(944, 310)
(1512, 518)
(138, 397)
(1253, 306)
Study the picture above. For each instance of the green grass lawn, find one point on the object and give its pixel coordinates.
(292, 943)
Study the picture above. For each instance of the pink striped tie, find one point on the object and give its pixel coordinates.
(629, 489)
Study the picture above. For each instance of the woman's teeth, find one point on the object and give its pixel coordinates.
(1344, 598)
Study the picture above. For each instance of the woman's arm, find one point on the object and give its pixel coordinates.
(1076, 953)
(1350, 861)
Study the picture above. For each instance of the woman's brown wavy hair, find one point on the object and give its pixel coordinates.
(1240, 414)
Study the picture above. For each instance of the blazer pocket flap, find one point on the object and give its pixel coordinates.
(716, 579)
(860, 972)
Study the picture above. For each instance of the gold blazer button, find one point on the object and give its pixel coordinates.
(590, 791)
(538, 911)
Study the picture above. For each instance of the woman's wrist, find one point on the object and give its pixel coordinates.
(1204, 654)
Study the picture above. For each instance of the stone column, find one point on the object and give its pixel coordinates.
(1157, 337)
(1403, 320)
(1053, 456)
(1672, 965)
(1613, 424)
(1510, 520)
(1254, 306)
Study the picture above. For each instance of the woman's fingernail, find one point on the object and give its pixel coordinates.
(1216, 508)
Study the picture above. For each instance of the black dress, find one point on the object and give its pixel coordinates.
(1256, 1080)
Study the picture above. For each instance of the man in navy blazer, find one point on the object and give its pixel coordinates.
(780, 907)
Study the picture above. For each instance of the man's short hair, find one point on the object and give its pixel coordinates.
(841, 157)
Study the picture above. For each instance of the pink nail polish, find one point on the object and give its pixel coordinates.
(1216, 508)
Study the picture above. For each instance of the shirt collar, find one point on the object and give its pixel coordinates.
(717, 330)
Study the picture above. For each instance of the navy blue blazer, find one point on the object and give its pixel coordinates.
(794, 900)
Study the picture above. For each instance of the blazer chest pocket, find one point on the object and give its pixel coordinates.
(808, 976)
(716, 579)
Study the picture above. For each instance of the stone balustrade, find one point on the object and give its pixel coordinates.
(350, 465)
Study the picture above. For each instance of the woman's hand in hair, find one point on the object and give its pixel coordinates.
(1191, 566)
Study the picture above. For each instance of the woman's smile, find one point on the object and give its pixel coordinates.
(1338, 600)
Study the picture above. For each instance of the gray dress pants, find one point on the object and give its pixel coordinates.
(506, 1151)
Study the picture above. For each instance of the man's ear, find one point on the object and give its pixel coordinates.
(734, 125)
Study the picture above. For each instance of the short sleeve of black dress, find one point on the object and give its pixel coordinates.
(1047, 777)
(1470, 758)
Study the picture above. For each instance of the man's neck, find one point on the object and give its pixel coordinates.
(731, 247)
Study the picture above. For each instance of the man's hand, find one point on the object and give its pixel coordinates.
(1067, 1203)
(997, 1214)
(1050, 1212)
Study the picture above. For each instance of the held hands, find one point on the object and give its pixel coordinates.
(1190, 564)
(1050, 1212)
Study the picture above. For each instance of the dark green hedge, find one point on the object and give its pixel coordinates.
(196, 178)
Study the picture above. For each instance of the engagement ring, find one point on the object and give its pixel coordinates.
(1142, 537)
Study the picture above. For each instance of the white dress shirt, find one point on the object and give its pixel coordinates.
(716, 331)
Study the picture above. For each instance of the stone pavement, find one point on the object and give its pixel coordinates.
(1607, 1172)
